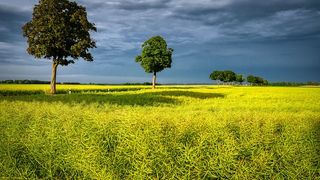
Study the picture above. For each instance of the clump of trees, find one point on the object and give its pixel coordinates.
(155, 56)
(256, 80)
(239, 78)
(59, 31)
(228, 76)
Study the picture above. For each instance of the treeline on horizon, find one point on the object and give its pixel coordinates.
(230, 77)
(26, 81)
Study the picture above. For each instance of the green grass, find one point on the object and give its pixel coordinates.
(175, 132)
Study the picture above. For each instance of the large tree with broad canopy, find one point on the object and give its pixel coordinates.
(59, 31)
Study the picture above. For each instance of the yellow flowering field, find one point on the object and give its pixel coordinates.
(173, 132)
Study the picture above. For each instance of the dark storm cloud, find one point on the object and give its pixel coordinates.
(13, 54)
(11, 20)
(143, 5)
(241, 10)
(276, 39)
(128, 5)
(249, 19)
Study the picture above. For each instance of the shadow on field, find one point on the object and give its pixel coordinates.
(177, 93)
(138, 99)
(184, 88)
(195, 87)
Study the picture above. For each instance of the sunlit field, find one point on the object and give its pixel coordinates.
(20, 89)
(173, 132)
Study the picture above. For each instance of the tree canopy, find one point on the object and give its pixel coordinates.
(224, 76)
(239, 78)
(230, 76)
(59, 30)
(216, 75)
(256, 80)
(155, 56)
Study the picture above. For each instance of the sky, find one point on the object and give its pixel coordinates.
(275, 39)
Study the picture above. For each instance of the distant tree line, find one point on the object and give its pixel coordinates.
(137, 83)
(230, 77)
(239, 79)
(256, 80)
(294, 84)
(26, 81)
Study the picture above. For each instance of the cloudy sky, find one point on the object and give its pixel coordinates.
(275, 39)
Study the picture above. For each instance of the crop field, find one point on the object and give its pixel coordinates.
(173, 132)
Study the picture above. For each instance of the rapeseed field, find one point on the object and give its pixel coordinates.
(173, 132)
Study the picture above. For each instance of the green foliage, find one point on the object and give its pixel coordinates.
(229, 76)
(216, 75)
(170, 133)
(59, 29)
(255, 80)
(155, 55)
(239, 78)
(250, 79)
(224, 76)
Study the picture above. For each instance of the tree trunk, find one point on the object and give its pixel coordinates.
(154, 78)
(53, 78)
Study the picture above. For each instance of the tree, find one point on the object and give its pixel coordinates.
(229, 76)
(216, 75)
(155, 56)
(59, 31)
(224, 76)
(259, 80)
(239, 78)
(256, 80)
(251, 79)
(265, 82)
